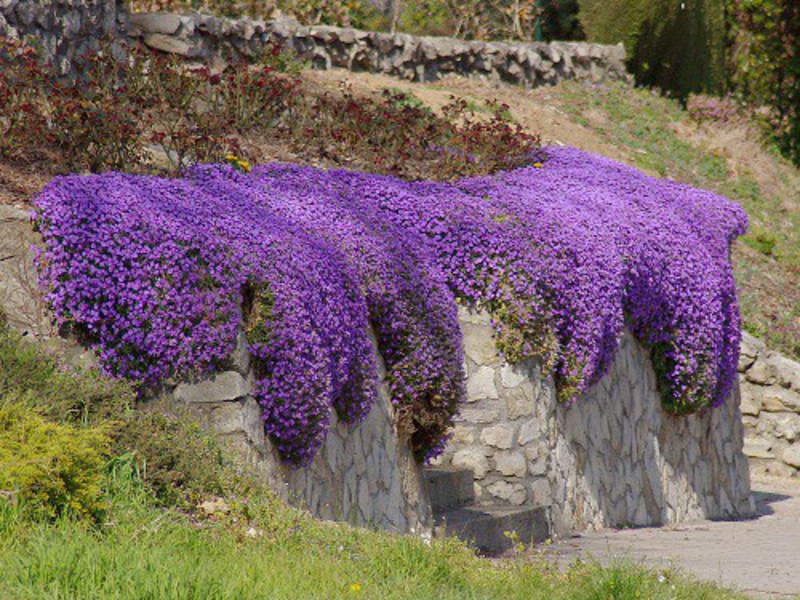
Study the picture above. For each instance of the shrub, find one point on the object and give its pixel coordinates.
(21, 97)
(53, 469)
(678, 47)
(395, 135)
(765, 63)
(61, 393)
(704, 109)
(177, 460)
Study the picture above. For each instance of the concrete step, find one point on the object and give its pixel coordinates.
(485, 527)
(449, 488)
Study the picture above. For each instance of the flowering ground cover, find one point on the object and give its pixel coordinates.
(160, 273)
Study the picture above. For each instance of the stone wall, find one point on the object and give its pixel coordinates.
(364, 474)
(211, 38)
(770, 384)
(613, 458)
(63, 29)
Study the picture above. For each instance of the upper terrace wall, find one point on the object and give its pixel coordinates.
(410, 57)
(63, 29)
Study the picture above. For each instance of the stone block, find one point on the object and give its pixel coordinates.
(228, 385)
(164, 23)
(510, 464)
(513, 493)
(788, 427)
(529, 431)
(513, 375)
(472, 459)
(481, 385)
(166, 43)
(779, 399)
(498, 436)
(463, 435)
(751, 399)
(227, 417)
(761, 372)
(479, 345)
(787, 371)
(478, 415)
(791, 456)
(757, 448)
(520, 401)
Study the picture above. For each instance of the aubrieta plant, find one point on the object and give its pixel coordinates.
(161, 273)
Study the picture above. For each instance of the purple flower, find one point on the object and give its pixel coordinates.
(563, 257)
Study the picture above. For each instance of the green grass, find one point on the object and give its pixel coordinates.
(142, 546)
(142, 551)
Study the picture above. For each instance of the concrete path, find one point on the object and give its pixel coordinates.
(760, 556)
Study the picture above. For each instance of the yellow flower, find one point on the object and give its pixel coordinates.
(538, 165)
(230, 157)
(355, 587)
(244, 165)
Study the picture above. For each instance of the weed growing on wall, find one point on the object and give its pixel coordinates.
(564, 254)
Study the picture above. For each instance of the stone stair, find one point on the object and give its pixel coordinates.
(456, 513)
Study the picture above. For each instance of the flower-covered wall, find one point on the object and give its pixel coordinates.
(364, 474)
(338, 293)
(614, 458)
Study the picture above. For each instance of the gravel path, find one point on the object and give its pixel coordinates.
(760, 556)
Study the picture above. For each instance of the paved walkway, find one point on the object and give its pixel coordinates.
(760, 556)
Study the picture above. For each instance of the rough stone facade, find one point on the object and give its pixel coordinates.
(770, 384)
(212, 38)
(364, 474)
(614, 458)
(63, 29)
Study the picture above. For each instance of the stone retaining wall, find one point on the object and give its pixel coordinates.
(210, 39)
(364, 474)
(614, 458)
(770, 384)
(63, 29)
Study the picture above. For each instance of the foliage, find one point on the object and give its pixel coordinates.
(398, 136)
(714, 109)
(178, 462)
(196, 115)
(765, 63)
(655, 131)
(474, 19)
(62, 394)
(263, 548)
(20, 117)
(51, 469)
(678, 47)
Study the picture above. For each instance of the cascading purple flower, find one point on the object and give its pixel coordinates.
(564, 257)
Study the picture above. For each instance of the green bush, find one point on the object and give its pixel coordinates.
(178, 461)
(52, 469)
(676, 46)
(765, 64)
